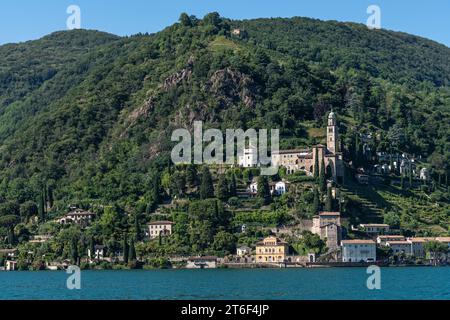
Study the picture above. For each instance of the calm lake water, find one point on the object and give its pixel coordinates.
(329, 283)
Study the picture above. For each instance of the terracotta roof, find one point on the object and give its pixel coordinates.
(291, 151)
(278, 241)
(373, 225)
(443, 239)
(398, 242)
(329, 213)
(8, 250)
(357, 241)
(160, 222)
(420, 239)
(390, 237)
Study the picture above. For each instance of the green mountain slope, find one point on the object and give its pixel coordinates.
(91, 114)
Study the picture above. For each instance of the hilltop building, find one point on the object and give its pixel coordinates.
(305, 159)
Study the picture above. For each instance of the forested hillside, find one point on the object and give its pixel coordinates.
(86, 117)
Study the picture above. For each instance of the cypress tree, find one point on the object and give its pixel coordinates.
(41, 207)
(329, 201)
(50, 196)
(233, 187)
(222, 188)
(322, 178)
(125, 248)
(206, 187)
(316, 165)
(315, 207)
(132, 252)
(92, 247)
(137, 228)
(74, 251)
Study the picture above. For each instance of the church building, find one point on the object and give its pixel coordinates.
(305, 159)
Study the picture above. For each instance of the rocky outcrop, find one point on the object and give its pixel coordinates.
(231, 86)
(184, 74)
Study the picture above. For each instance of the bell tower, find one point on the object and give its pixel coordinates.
(332, 134)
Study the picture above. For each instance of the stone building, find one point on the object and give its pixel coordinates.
(305, 159)
(328, 226)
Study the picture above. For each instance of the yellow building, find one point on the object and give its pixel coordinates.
(271, 249)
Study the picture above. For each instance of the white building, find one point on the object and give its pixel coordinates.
(375, 228)
(249, 158)
(243, 251)
(98, 254)
(280, 188)
(358, 250)
(276, 188)
(157, 228)
(11, 265)
(382, 240)
(417, 244)
(424, 174)
(400, 246)
(77, 216)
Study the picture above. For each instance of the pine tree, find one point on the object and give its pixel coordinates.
(315, 207)
(329, 201)
(222, 188)
(125, 248)
(233, 187)
(206, 187)
(322, 178)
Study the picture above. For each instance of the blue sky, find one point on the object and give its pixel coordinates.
(22, 20)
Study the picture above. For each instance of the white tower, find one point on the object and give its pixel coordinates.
(332, 134)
